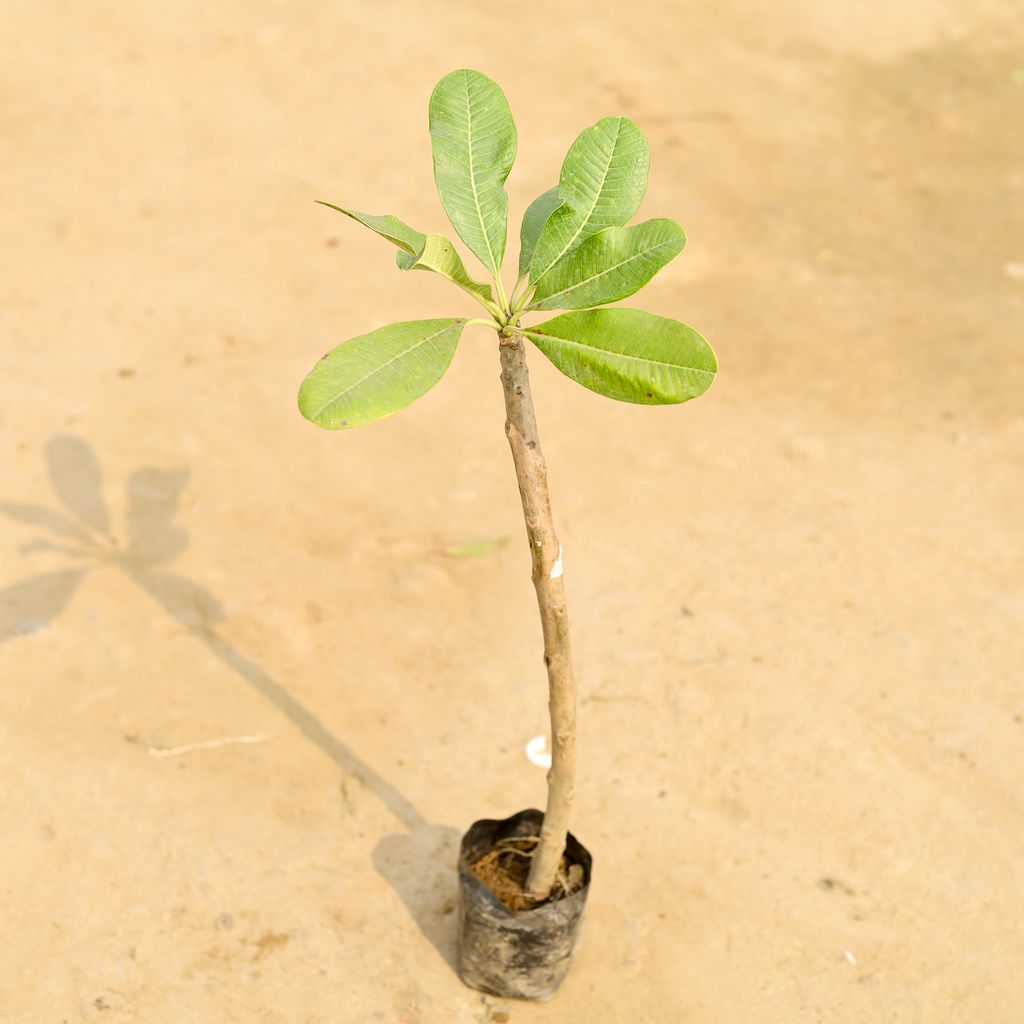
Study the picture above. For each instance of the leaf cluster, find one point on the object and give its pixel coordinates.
(577, 252)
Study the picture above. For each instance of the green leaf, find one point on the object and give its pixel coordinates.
(376, 374)
(475, 548)
(628, 354)
(534, 219)
(394, 230)
(610, 265)
(603, 180)
(439, 254)
(474, 143)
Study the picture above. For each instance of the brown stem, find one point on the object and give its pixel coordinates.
(532, 474)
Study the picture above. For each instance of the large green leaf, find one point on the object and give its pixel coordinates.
(610, 265)
(394, 230)
(603, 180)
(376, 374)
(534, 219)
(628, 354)
(439, 254)
(474, 143)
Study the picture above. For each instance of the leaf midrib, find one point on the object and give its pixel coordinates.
(616, 355)
(593, 206)
(617, 266)
(472, 172)
(381, 367)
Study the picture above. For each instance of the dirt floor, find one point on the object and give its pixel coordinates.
(241, 733)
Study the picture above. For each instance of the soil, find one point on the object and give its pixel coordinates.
(248, 704)
(504, 869)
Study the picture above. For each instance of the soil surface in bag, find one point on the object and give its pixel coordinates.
(506, 865)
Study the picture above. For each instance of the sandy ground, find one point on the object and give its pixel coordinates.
(798, 602)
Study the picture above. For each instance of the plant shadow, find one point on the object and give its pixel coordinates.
(417, 863)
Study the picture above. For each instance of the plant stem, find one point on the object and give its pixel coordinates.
(520, 303)
(499, 288)
(546, 552)
(491, 307)
(514, 297)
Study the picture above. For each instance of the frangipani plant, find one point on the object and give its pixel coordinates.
(576, 253)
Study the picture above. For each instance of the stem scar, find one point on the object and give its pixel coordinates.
(556, 569)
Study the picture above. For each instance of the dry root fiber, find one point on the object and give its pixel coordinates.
(505, 867)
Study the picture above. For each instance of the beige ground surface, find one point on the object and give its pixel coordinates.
(799, 601)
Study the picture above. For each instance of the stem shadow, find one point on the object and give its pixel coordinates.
(417, 863)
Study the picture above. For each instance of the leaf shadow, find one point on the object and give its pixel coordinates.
(77, 480)
(417, 863)
(32, 604)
